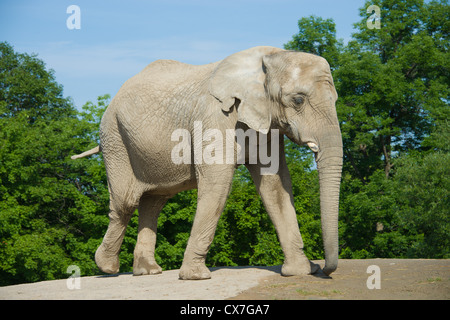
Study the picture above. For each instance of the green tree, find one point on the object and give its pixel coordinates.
(392, 83)
(317, 36)
(422, 184)
(52, 209)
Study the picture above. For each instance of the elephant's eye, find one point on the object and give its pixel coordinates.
(299, 100)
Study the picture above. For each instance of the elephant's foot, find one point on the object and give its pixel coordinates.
(194, 271)
(106, 262)
(299, 267)
(143, 266)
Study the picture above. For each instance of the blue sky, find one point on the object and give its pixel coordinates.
(117, 39)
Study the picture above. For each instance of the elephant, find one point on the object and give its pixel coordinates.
(269, 91)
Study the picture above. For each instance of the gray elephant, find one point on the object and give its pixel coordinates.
(263, 89)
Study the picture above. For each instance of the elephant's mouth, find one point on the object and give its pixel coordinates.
(295, 137)
(291, 130)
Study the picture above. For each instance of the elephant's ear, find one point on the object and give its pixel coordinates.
(241, 76)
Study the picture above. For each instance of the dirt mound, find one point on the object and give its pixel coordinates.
(396, 279)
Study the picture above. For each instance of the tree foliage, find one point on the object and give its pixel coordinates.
(318, 36)
(51, 208)
(393, 86)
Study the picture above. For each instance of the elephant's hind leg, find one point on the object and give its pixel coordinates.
(121, 206)
(144, 252)
(107, 254)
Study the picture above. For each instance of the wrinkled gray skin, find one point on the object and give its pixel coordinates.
(263, 88)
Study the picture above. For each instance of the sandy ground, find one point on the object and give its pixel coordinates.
(398, 279)
(225, 282)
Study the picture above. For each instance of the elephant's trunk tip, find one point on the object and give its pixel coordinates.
(330, 268)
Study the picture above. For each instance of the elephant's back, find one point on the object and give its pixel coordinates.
(159, 90)
(159, 84)
(167, 73)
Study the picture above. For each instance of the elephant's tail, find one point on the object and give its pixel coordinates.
(86, 153)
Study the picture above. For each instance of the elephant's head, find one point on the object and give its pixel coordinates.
(293, 92)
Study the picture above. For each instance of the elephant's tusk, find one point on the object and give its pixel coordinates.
(313, 146)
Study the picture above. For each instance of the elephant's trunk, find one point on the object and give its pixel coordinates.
(329, 165)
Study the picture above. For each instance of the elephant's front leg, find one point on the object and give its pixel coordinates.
(276, 193)
(214, 183)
